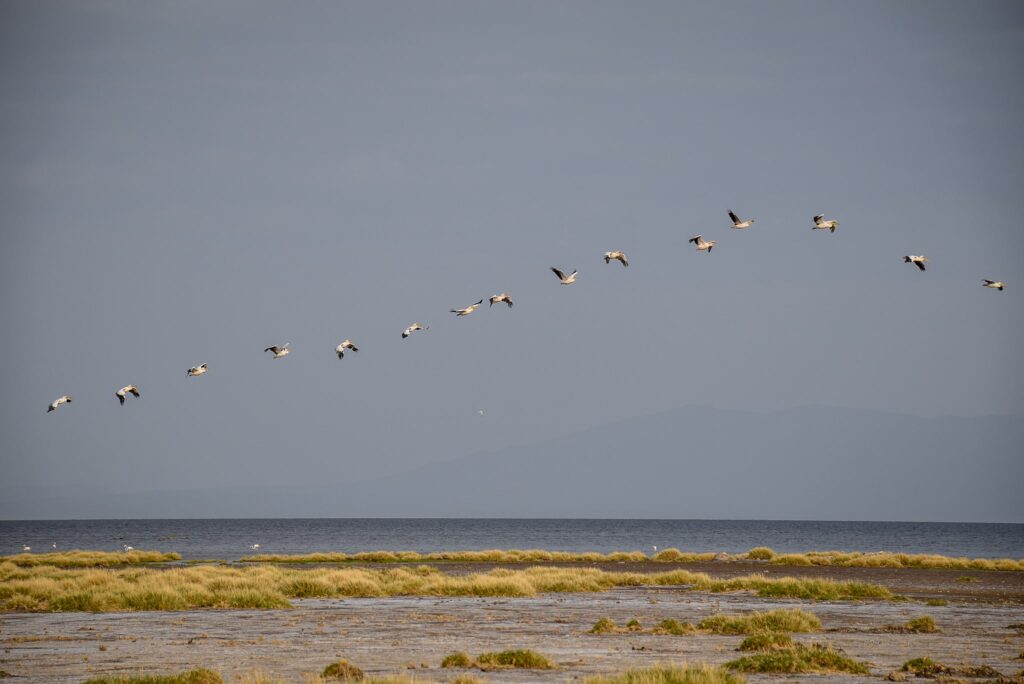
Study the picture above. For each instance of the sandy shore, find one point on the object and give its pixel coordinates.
(387, 635)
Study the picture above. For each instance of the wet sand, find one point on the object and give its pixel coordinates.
(387, 635)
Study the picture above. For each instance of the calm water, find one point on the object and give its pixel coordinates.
(230, 539)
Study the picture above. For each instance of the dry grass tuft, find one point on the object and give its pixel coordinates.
(860, 559)
(674, 627)
(799, 659)
(936, 602)
(670, 674)
(766, 641)
(200, 676)
(89, 559)
(523, 659)
(604, 626)
(677, 556)
(761, 553)
(342, 670)
(459, 659)
(487, 556)
(786, 620)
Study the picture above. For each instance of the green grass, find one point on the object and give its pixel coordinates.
(670, 674)
(922, 625)
(49, 588)
(936, 602)
(604, 626)
(89, 559)
(799, 659)
(924, 666)
(522, 659)
(766, 641)
(634, 625)
(201, 676)
(786, 620)
(460, 659)
(670, 626)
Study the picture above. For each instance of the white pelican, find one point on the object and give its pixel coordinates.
(498, 298)
(618, 256)
(280, 351)
(565, 279)
(994, 284)
(737, 223)
(702, 245)
(254, 547)
(127, 548)
(121, 393)
(196, 370)
(468, 310)
(413, 328)
(916, 260)
(66, 399)
(821, 224)
(26, 548)
(54, 546)
(346, 344)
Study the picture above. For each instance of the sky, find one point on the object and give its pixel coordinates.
(191, 182)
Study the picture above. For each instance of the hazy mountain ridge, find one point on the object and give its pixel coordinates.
(695, 462)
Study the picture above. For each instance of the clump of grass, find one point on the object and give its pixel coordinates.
(968, 578)
(486, 556)
(670, 626)
(634, 625)
(761, 553)
(459, 659)
(466, 679)
(200, 676)
(47, 588)
(922, 625)
(936, 602)
(89, 559)
(671, 674)
(603, 626)
(860, 559)
(677, 556)
(523, 659)
(785, 620)
(925, 667)
(342, 670)
(766, 641)
(798, 659)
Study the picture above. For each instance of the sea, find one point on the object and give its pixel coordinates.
(229, 539)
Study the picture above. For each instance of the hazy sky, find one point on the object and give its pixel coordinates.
(188, 182)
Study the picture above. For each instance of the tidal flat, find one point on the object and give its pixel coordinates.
(413, 634)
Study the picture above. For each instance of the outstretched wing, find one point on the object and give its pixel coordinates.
(734, 217)
(561, 276)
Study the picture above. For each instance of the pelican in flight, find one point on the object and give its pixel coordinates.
(821, 224)
(468, 310)
(413, 328)
(916, 260)
(346, 344)
(994, 284)
(123, 392)
(498, 298)
(702, 244)
(617, 256)
(196, 370)
(737, 223)
(280, 351)
(66, 399)
(565, 279)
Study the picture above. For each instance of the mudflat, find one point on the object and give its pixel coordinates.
(413, 634)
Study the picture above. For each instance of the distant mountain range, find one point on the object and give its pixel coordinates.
(697, 462)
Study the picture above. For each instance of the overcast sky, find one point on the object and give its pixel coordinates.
(189, 182)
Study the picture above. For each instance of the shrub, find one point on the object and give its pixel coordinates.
(604, 626)
(520, 659)
(797, 659)
(343, 671)
(634, 625)
(924, 624)
(670, 626)
(459, 659)
(768, 641)
(760, 553)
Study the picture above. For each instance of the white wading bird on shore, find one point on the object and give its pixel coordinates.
(66, 399)
(917, 260)
(413, 328)
(26, 548)
(737, 223)
(821, 224)
(196, 371)
(254, 547)
(498, 298)
(565, 279)
(280, 351)
(617, 256)
(121, 393)
(126, 548)
(468, 310)
(702, 245)
(346, 344)
(994, 284)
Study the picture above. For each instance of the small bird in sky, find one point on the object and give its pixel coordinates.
(498, 298)
(565, 279)
(480, 412)
(280, 352)
(702, 245)
(346, 344)
(821, 224)
(737, 223)
(196, 371)
(413, 328)
(468, 310)
(66, 399)
(917, 260)
(124, 391)
(994, 284)
(616, 256)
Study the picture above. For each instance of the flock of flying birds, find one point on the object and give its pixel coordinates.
(702, 245)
